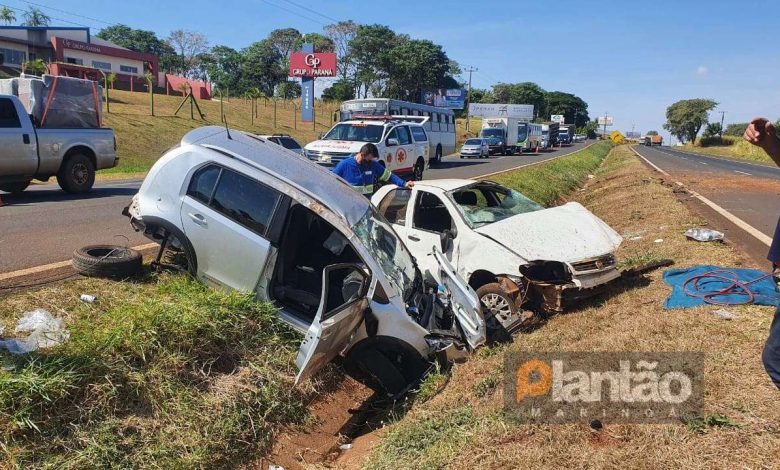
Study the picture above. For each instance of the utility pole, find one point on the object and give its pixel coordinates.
(722, 115)
(606, 114)
(468, 96)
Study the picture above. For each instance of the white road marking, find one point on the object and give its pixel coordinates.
(58, 265)
(655, 167)
(704, 163)
(742, 173)
(766, 240)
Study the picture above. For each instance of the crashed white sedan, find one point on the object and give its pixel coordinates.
(512, 251)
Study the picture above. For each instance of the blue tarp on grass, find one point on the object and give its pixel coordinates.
(764, 290)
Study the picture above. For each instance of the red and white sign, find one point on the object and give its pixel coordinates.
(314, 64)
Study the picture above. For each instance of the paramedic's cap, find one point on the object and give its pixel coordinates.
(369, 150)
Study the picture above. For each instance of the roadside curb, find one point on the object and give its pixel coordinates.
(754, 232)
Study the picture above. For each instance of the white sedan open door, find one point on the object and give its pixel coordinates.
(465, 303)
(342, 303)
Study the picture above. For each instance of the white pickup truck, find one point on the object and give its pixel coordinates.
(28, 152)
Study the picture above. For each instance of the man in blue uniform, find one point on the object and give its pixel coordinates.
(361, 170)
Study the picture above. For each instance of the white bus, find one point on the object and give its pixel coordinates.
(439, 123)
(529, 137)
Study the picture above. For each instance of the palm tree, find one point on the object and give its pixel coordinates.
(7, 15)
(35, 17)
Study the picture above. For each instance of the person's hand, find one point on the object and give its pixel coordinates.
(409, 185)
(762, 133)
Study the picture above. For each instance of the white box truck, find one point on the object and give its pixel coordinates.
(502, 132)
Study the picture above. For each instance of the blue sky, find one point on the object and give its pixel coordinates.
(631, 59)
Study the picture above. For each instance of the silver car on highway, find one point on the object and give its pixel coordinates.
(245, 214)
(476, 147)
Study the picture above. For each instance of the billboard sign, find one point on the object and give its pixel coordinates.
(559, 118)
(605, 121)
(485, 110)
(453, 98)
(312, 64)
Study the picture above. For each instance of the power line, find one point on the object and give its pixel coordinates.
(52, 17)
(67, 12)
(313, 11)
(293, 12)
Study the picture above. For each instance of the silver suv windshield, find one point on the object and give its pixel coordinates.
(376, 234)
(356, 132)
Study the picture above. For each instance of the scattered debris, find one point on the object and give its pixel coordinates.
(638, 237)
(596, 425)
(704, 234)
(590, 177)
(345, 446)
(45, 331)
(658, 240)
(724, 314)
(90, 299)
(275, 467)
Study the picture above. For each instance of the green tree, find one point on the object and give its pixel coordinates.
(652, 132)
(139, 40)
(368, 51)
(341, 34)
(480, 95)
(685, 118)
(713, 129)
(341, 90)
(521, 93)
(35, 17)
(35, 67)
(7, 15)
(288, 90)
(320, 42)
(573, 108)
(284, 42)
(261, 67)
(111, 78)
(191, 47)
(415, 65)
(223, 67)
(736, 129)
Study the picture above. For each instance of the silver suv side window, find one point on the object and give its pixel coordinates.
(203, 183)
(238, 197)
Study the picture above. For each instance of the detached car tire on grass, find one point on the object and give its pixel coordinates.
(109, 261)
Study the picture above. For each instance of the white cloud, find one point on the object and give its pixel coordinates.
(702, 71)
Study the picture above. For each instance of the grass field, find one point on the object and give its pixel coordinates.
(142, 138)
(464, 427)
(547, 184)
(161, 372)
(738, 150)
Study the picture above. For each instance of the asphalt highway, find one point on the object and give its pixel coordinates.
(748, 191)
(44, 225)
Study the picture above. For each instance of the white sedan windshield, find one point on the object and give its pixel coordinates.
(485, 203)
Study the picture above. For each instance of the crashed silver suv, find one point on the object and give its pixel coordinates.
(244, 214)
